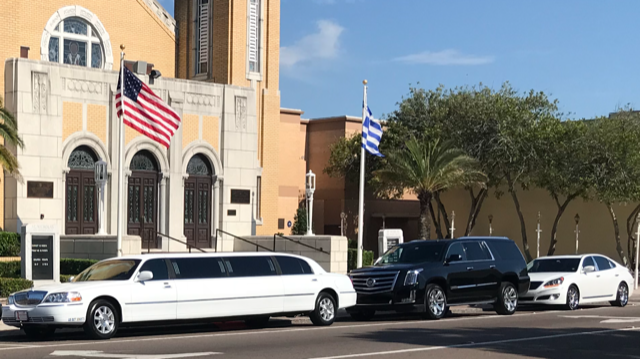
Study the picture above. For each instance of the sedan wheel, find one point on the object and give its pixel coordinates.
(573, 298)
(622, 297)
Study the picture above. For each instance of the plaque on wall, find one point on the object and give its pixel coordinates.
(240, 196)
(42, 257)
(39, 189)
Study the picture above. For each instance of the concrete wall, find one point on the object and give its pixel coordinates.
(335, 261)
(97, 247)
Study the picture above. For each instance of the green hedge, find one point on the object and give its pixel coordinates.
(10, 269)
(64, 278)
(9, 244)
(367, 258)
(72, 266)
(12, 285)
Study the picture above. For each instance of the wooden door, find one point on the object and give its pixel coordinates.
(197, 211)
(81, 209)
(143, 207)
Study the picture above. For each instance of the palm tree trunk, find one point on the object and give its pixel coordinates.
(554, 230)
(476, 204)
(523, 229)
(444, 214)
(616, 229)
(436, 222)
(425, 221)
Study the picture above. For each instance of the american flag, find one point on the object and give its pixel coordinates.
(145, 111)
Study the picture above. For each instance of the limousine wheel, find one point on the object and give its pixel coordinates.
(507, 301)
(325, 312)
(38, 332)
(102, 320)
(435, 302)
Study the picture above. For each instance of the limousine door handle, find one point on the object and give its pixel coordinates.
(167, 285)
(314, 280)
(469, 268)
(617, 275)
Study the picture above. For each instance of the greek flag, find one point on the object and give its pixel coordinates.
(371, 132)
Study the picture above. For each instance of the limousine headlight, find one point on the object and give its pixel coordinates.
(11, 300)
(554, 283)
(65, 297)
(412, 277)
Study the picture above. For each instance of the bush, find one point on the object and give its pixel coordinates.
(12, 285)
(367, 258)
(72, 266)
(10, 269)
(9, 244)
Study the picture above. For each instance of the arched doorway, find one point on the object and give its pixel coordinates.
(142, 203)
(81, 212)
(197, 202)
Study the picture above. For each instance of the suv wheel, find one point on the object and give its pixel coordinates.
(435, 302)
(622, 297)
(507, 301)
(362, 315)
(102, 320)
(325, 312)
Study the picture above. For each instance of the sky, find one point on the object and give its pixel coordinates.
(585, 53)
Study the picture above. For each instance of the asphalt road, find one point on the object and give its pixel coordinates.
(594, 332)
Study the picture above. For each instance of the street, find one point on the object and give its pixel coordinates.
(592, 332)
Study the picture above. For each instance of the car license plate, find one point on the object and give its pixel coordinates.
(22, 316)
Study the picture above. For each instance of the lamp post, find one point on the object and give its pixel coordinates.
(453, 221)
(538, 230)
(101, 178)
(343, 222)
(310, 188)
(577, 231)
(490, 226)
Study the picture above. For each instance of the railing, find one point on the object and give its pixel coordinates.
(297, 242)
(179, 241)
(258, 246)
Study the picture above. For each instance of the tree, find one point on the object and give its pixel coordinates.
(9, 131)
(425, 169)
(300, 222)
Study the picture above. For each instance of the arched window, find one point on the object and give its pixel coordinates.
(80, 193)
(82, 158)
(197, 202)
(199, 166)
(144, 161)
(75, 42)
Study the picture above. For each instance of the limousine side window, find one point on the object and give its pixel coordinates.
(258, 266)
(198, 268)
(158, 267)
(293, 266)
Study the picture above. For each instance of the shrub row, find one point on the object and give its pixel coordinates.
(9, 244)
(11, 285)
(10, 269)
(367, 258)
(72, 266)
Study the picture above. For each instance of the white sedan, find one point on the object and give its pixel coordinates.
(574, 280)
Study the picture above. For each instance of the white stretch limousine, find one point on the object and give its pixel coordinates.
(188, 287)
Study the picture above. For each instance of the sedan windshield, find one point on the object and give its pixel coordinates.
(412, 253)
(554, 265)
(109, 270)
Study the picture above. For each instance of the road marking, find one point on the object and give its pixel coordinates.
(606, 319)
(97, 354)
(468, 345)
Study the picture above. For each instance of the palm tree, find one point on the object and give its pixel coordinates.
(427, 168)
(9, 131)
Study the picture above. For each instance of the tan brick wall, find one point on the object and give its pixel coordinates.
(97, 121)
(181, 14)
(211, 131)
(129, 22)
(190, 129)
(71, 119)
(130, 134)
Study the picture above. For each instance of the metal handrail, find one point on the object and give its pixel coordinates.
(179, 241)
(297, 242)
(243, 239)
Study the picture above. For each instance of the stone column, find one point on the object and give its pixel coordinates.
(215, 208)
(163, 211)
(175, 198)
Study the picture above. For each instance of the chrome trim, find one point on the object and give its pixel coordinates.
(599, 296)
(359, 282)
(486, 284)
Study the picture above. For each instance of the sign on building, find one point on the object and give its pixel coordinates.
(40, 252)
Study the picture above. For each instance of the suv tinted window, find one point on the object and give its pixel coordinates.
(158, 267)
(258, 266)
(506, 250)
(292, 266)
(456, 248)
(588, 262)
(475, 251)
(198, 268)
(603, 263)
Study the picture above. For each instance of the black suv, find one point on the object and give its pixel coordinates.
(430, 276)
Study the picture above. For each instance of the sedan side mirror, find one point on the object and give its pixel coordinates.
(588, 269)
(454, 258)
(144, 276)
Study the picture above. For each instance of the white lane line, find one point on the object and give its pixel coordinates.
(18, 345)
(413, 350)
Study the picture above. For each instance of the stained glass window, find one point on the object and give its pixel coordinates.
(203, 206)
(188, 206)
(72, 203)
(82, 158)
(88, 203)
(54, 49)
(143, 161)
(199, 166)
(96, 56)
(75, 53)
(75, 27)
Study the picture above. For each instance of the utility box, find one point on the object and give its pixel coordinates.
(388, 238)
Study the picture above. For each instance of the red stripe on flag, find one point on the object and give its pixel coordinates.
(160, 102)
(132, 116)
(137, 108)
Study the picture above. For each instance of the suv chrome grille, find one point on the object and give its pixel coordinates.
(534, 285)
(30, 298)
(374, 282)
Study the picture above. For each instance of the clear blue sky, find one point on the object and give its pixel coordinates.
(585, 53)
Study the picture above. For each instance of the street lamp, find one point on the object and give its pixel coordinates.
(490, 226)
(577, 231)
(310, 188)
(101, 178)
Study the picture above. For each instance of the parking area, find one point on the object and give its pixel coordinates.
(592, 332)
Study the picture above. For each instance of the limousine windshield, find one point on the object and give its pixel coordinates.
(412, 253)
(109, 270)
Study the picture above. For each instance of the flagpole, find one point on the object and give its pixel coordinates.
(361, 192)
(120, 157)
